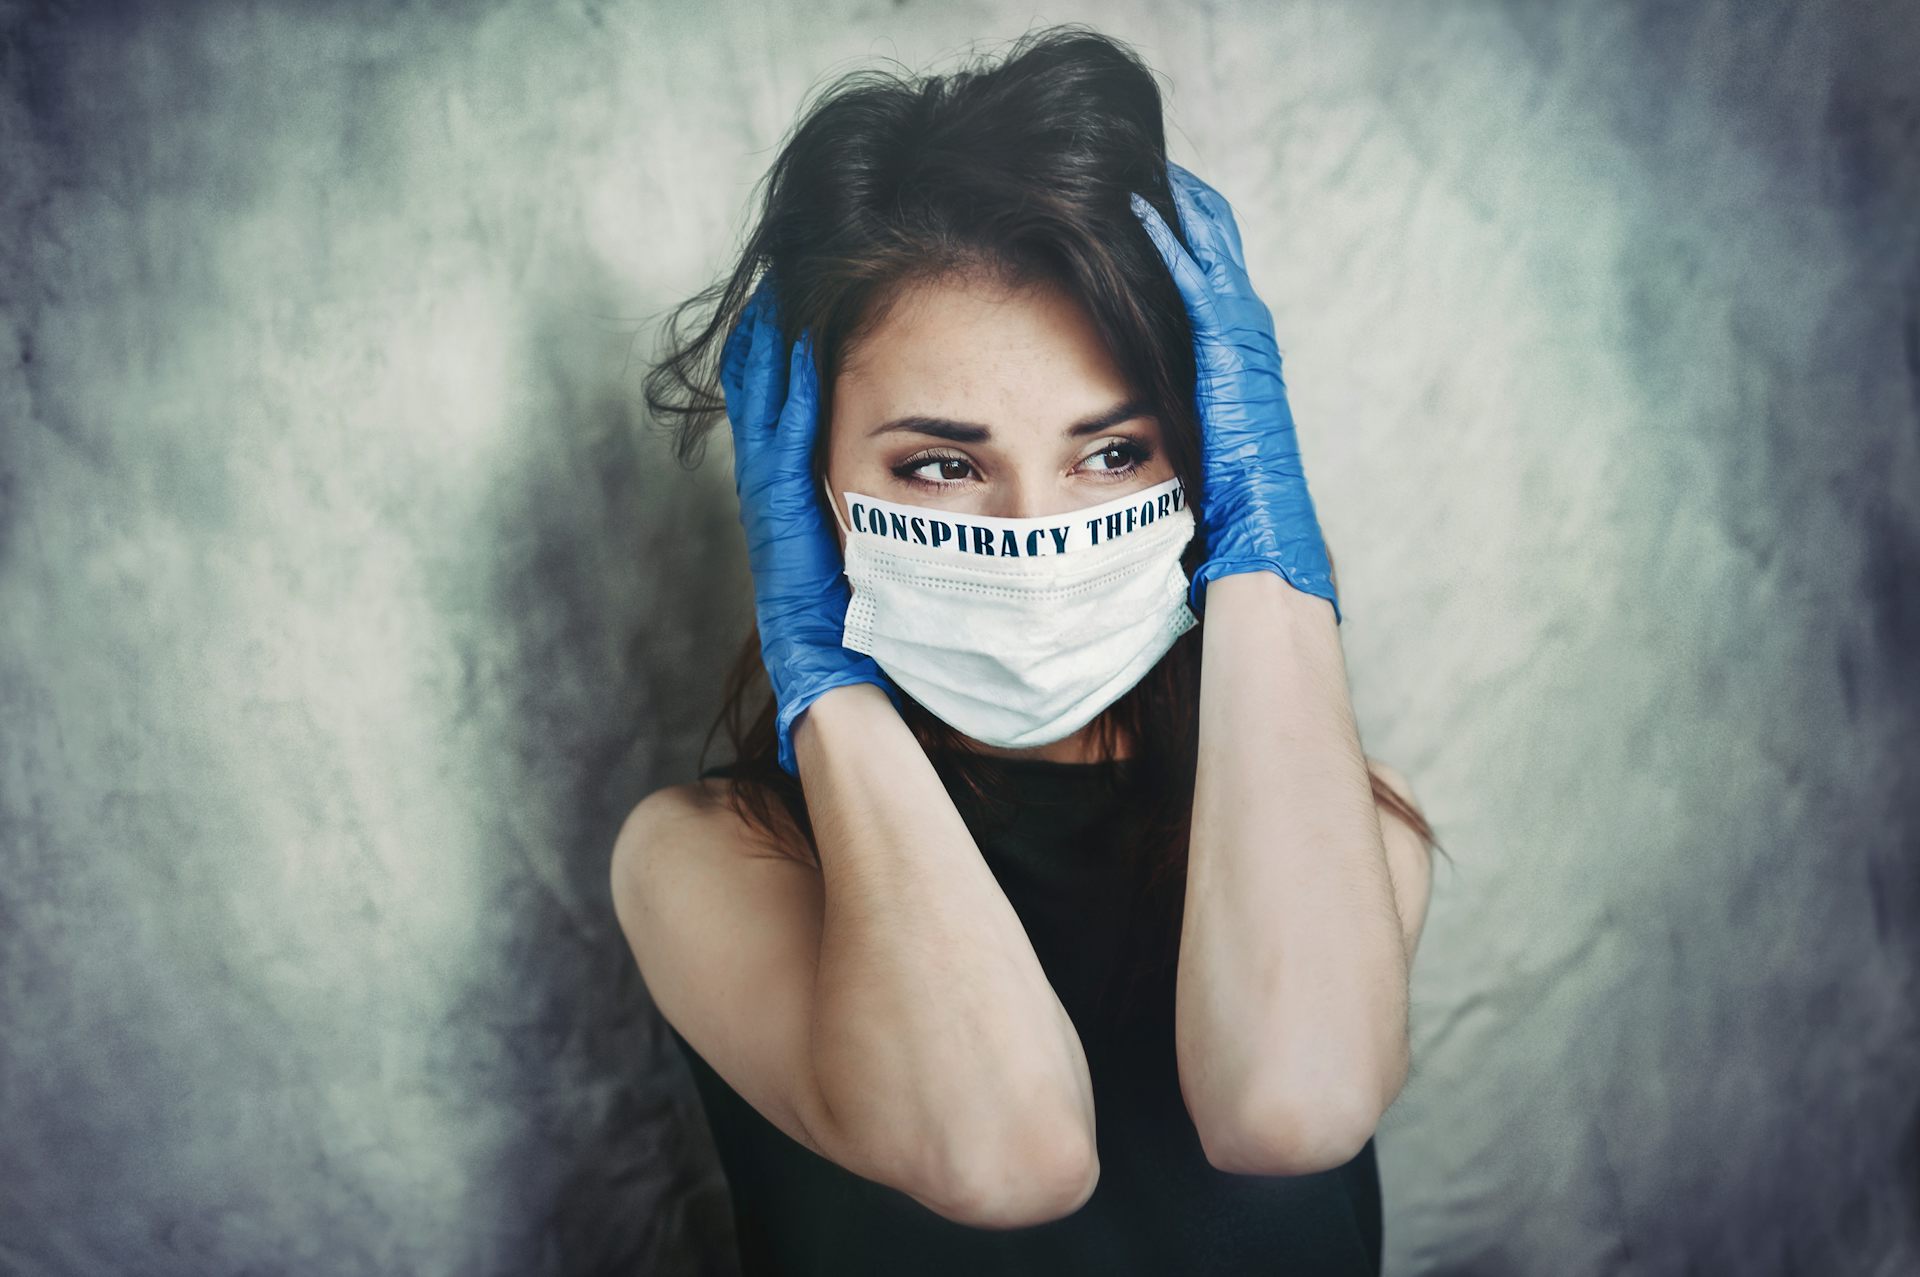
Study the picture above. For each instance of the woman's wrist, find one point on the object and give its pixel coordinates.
(1271, 588)
(848, 713)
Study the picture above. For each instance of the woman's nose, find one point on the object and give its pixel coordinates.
(1029, 499)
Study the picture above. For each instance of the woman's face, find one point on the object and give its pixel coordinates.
(975, 399)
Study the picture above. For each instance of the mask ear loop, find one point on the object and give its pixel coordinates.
(857, 632)
(835, 507)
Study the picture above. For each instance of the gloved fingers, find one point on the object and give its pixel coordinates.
(800, 415)
(1219, 211)
(776, 482)
(1217, 255)
(735, 355)
(755, 386)
(1187, 275)
(766, 372)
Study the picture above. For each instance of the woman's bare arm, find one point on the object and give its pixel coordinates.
(933, 1020)
(1291, 1007)
(1407, 857)
(887, 1010)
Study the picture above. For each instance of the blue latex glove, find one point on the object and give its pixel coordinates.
(1257, 514)
(800, 592)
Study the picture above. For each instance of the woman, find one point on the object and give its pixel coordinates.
(1050, 918)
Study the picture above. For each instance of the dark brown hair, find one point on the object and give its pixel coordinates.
(1020, 172)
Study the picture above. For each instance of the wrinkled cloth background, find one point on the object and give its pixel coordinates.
(348, 602)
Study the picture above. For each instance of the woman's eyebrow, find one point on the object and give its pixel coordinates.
(973, 432)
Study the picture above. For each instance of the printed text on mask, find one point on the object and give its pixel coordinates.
(1014, 538)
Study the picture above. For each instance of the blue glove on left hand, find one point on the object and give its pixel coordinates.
(1257, 515)
(800, 591)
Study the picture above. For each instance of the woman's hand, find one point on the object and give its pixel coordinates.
(1256, 513)
(800, 591)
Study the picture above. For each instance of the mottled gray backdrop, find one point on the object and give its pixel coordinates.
(347, 603)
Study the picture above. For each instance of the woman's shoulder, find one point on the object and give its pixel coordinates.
(694, 799)
(707, 812)
(654, 820)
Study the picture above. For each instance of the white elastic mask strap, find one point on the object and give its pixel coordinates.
(835, 507)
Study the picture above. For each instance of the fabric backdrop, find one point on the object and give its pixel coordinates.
(348, 602)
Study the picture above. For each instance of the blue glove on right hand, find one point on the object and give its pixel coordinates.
(800, 589)
(1257, 515)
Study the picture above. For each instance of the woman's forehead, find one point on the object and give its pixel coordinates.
(1015, 360)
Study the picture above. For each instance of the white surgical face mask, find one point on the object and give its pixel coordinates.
(1018, 632)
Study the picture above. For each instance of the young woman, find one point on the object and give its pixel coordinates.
(1050, 918)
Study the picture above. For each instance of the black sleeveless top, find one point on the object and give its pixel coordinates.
(1159, 1207)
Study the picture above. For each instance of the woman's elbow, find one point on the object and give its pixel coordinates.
(1295, 1134)
(1051, 1176)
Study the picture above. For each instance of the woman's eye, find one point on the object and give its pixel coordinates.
(935, 471)
(1117, 460)
(1130, 455)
